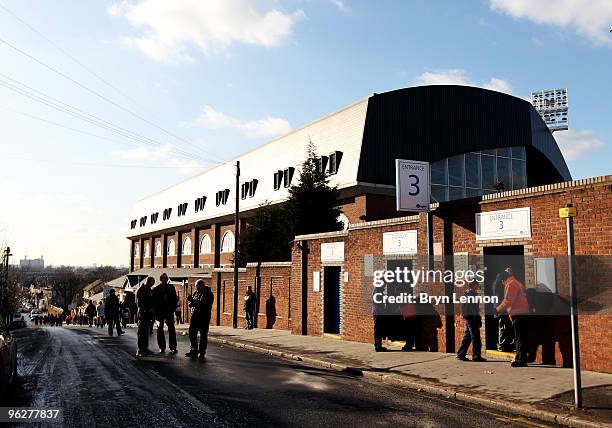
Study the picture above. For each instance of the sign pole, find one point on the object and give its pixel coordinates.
(569, 212)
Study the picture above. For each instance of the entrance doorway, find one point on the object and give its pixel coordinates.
(331, 299)
(497, 259)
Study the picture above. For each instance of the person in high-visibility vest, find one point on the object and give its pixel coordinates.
(516, 304)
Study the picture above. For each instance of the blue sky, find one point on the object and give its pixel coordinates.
(225, 76)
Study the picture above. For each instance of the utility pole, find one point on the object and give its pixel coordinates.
(5, 263)
(569, 212)
(236, 239)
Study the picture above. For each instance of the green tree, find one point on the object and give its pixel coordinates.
(312, 206)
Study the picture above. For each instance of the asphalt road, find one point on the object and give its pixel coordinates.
(98, 381)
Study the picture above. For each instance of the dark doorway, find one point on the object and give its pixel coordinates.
(497, 259)
(331, 299)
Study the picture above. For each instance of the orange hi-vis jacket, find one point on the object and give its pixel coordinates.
(515, 298)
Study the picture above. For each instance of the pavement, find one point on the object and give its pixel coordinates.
(98, 382)
(541, 391)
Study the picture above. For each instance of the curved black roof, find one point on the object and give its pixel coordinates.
(430, 123)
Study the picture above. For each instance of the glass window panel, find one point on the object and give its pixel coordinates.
(489, 152)
(438, 172)
(518, 177)
(469, 193)
(456, 193)
(488, 171)
(503, 173)
(438, 193)
(472, 170)
(505, 152)
(455, 171)
(518, 152)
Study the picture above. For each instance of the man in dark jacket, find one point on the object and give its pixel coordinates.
(164, 300)
(145, 315)
(505, 337)
(201, 305)
(91, 313)
(111, 310)
(473, 322)
(250, 301)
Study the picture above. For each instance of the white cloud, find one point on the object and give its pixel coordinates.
(171, 28)
(185, 167)
(144, 153)
(267, 127)
(589, 18)
(575, 144)
(340, 4)
(457, 76)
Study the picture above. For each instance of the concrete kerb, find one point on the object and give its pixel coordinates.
(421, 386)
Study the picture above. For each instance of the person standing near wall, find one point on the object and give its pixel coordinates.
(100, 310)
(473, 322)
(250, 300)
(515, 302)
(178, 312)
(165, 299)
(201, 306)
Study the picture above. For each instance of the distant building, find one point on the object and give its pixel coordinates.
(32, 264)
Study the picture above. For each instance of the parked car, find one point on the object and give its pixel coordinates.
(18, 320)
(8, 359)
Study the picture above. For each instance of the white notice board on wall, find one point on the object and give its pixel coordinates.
(332, 252)
(504, 224)
(316, 281)
(402, 242)
(546, 279)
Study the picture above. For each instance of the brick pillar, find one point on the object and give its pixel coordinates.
(164, 250)
(131, 255)
(152, 251)
(196, 247)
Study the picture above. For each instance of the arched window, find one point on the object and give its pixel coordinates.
(147, 249)
(205, 245)
(187, 246)
(227, 243)
(344, 220)
(158, 252)
(136, 250)
(171, 248)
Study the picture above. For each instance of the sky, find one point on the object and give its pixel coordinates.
(105, 102)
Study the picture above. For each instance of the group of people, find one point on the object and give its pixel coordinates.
(108, 311)
(159, 304)
(49, 319)
(514, 307)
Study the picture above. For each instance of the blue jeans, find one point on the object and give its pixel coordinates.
(471, 336)
(250, 318)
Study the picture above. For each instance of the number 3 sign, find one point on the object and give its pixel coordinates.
(411, 185)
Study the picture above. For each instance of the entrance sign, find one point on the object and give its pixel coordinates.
(402, 242)
(504, 224)
(412, 185)
(332, 252)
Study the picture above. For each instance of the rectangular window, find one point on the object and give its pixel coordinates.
(455, 193)
(438, 193)
(244, 190)
(518, 177)
(438, 172)
(503, 173)
(278, 179)
(456, 175)
(503, 152)
(518, 152)
(488, 171)
(470, 193)
(472, 170)
(288, 175)
(334, 162)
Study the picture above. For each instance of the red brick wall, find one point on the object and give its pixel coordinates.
(593, 235)
(208, 258)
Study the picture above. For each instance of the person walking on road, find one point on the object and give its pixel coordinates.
(250, 300)
(111, 310)
(515, 302)
(201, 306)
(91, 313)
(144, 297)
(178, 312)
(473, 322)
(100, 310)
(165, 299)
